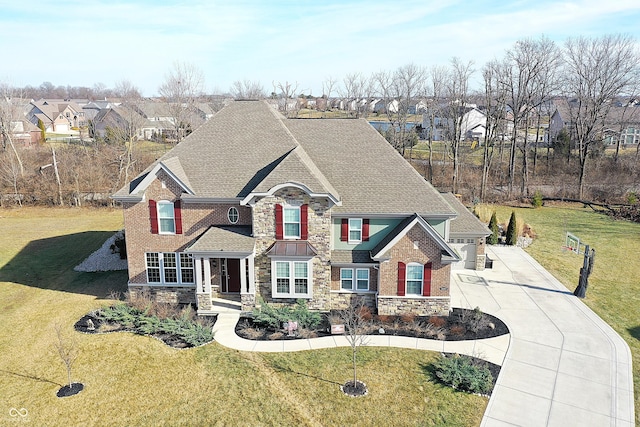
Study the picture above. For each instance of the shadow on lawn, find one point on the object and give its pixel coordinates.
(30, 377)
(285, 369)
(635, 332)
(48, 264)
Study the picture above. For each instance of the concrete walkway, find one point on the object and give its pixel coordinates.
(565, 366)
(561, 365)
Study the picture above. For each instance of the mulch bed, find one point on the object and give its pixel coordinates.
(67, 390)
(455, 327)
(101, 326)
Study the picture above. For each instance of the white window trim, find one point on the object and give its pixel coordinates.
(162, 269)
(406, 278)
(350, 228)
(354, 280)
(173, 216)
(237, 215)
(292, 294)
(284, 222)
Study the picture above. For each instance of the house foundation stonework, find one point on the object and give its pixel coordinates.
(165, 294)
(420, 306)
(276, 210)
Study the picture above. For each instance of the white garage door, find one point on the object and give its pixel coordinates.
(466, 248)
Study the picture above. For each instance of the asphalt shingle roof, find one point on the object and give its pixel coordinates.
(466, 222)
(249, 147)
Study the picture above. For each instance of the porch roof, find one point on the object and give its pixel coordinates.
(236, 239)
(293, 248)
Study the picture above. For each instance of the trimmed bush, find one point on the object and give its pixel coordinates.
(512, 234)
(536, 201)
(493, 226)
(274, 317)
(462, 373)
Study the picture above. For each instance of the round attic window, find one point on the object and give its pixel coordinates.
(233, 215)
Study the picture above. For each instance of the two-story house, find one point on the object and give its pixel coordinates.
(254, 206)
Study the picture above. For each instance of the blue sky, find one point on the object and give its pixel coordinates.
(83, 42)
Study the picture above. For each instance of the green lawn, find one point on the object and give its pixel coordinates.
(135, 380)
(614, 286)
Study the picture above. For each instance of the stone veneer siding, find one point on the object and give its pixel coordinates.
(319, 234)
(420, 306)
(342, 300)
(167, 294)
(480, 253)
(415, 246)
(196, 219)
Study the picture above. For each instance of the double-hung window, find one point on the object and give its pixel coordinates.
(355, 230)
(166, 218)
(414, 279)
(291, 221)
(354, 279)
(291, 279)
(169, 267)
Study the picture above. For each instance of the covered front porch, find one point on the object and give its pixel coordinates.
(224, 270)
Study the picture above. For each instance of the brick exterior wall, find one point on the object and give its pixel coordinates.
(415, 246)
(319, 235)
(196, 219)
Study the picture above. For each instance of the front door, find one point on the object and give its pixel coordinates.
(230, 272)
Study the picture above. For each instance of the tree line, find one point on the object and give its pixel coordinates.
(518, 93)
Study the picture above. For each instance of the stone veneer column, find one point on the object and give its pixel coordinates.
(319, 232)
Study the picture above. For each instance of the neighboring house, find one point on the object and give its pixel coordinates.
(467, 236)
(122, 118)
(58, 116)
(253, 206)
(472, 123)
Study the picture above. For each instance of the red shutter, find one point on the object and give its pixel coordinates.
(304, 222)
(426, 280)
(402, 273)
(365, 230)
(279, 227)
(177, 214)
(344, 230)
(153, 216)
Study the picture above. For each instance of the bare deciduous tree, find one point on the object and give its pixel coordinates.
(596, 71)
(354, 330)
(67, 348)
(356, 91)
(246, 89)
(182, 88)
(286, 92)
(9, 114)
(457, 90)
(399, 91)
(528, 78)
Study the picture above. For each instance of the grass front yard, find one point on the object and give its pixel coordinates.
(136, 380)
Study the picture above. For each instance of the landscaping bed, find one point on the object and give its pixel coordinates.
(461, 324)
(177, 327)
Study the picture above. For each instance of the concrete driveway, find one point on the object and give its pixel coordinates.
(564, 366)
